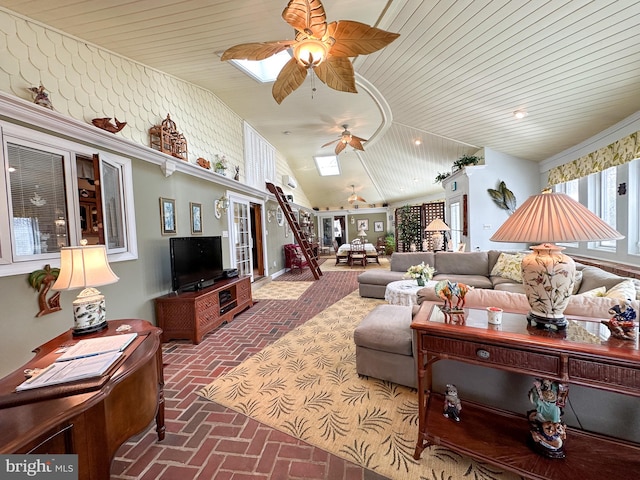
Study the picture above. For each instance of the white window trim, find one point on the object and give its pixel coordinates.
(24, 135)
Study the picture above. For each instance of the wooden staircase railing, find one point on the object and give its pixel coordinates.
(305, 246)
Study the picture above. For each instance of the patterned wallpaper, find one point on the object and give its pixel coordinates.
(86, 82)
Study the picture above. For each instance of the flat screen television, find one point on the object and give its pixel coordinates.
(196, 262)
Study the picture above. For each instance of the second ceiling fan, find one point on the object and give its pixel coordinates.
(346, 138)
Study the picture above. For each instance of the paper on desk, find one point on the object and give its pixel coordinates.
(69, 371)
(95, 346)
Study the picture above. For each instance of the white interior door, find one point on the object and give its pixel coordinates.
(241, 236)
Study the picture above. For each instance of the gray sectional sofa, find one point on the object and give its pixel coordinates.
(472, 268)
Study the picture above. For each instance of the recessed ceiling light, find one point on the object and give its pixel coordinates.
(520, 114)
(417, 142)
(287, 132)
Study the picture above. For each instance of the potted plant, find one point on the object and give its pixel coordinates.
(409, 228)
(220, 166)
(389, 243)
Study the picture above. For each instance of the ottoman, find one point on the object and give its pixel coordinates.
(384, 345)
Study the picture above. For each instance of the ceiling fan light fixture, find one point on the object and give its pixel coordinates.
(310, 52)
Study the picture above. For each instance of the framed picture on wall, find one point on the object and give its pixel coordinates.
(167, 216)
(196, 218)
(378, 226)
(363, 224)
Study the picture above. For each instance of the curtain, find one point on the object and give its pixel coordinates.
(616, 153)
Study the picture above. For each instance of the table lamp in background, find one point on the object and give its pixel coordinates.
(436, 227)
(363, 235)
(548, 275)
(86, 267)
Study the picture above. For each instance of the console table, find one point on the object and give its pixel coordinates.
(584, 354)
(191, 315)
(90, 418)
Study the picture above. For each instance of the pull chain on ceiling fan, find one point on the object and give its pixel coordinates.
(324, 48)
(354, 197)
(346, 138)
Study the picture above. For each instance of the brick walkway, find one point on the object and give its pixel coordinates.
(207, 441)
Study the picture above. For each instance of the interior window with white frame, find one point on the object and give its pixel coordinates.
(59, 192)
(572, 189)
(602, 201)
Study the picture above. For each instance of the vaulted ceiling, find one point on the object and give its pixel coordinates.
(451, 80)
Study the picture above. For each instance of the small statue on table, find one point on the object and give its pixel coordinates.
(547, 430)
(622, 323)
(452, 405)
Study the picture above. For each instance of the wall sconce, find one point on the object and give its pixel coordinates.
(221, 205)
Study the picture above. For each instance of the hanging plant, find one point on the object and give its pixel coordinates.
(503, 197)
(441, 176)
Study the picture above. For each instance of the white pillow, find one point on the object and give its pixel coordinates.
(509, 266)
(622, 291)
(595, 292)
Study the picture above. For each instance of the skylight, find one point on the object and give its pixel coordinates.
(327, 165)
(266, 70)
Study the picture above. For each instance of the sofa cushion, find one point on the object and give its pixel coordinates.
(476, 281)
(510, 287)
(380, 277)
(509, 266)
(622, 291)
(386, 328)
(594, 277)
(401, 261)
(463, 263)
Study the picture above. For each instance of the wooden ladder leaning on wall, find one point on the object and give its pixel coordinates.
(295, 228)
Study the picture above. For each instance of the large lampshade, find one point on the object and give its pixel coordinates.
(86, 267)
(436, 227)
(548, 274)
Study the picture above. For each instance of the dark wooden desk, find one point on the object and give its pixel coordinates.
(90, 418)
(583, 355)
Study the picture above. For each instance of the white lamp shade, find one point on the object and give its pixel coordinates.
(84, 266)
(437, 226)
(554, 217)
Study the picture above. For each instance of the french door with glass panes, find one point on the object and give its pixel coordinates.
(241, 236)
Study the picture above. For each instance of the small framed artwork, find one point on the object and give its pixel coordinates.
(378, 226)
(167, 216)
(363, 224)
(196, 218)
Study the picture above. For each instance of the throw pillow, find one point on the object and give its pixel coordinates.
(595, 292)
(509, 266)
(622, 291)
(577, 281)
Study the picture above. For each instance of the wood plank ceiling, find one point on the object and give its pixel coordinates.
(453, 79)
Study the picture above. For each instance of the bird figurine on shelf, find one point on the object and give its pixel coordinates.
(41, 97)
(106, 124)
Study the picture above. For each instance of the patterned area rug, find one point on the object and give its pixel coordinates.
(281, 290)
(306, 385)
(329, 265)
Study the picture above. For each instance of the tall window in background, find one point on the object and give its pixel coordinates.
(602, 200)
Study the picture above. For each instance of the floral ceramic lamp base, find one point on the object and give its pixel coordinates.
(89, 312)
(548, 279)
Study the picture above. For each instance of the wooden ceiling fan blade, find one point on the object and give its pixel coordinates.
(340, 147)
(290, 77)
(306, 16)
(327, 144)
(337, 73)
(355, 38)
(255, 51)
(356, 142)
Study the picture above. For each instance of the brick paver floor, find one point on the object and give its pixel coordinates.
(207, 441)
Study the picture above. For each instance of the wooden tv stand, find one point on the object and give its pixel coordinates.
(583, 356)
(191, 315)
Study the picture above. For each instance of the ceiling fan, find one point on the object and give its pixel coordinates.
(354, 197)
(346, 138)
(323, 47)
